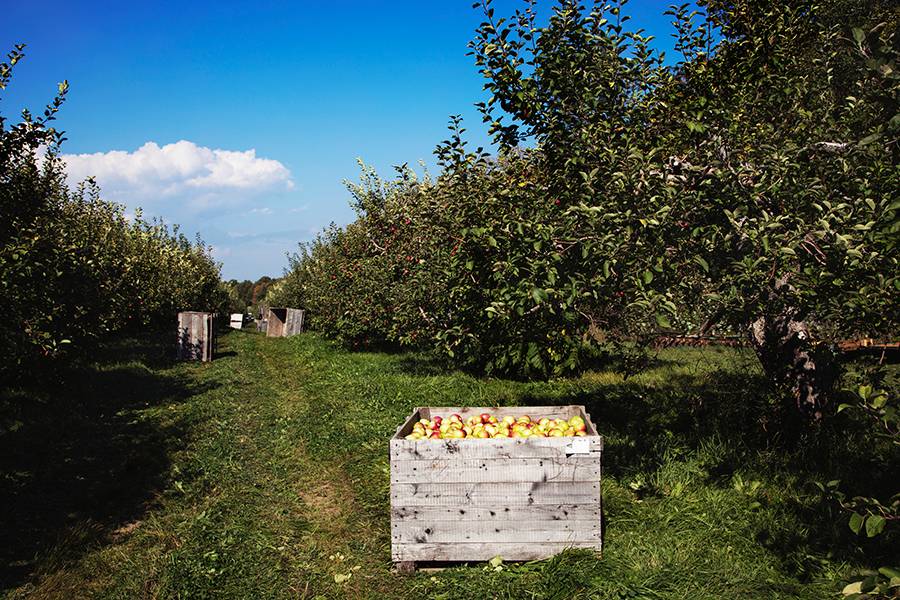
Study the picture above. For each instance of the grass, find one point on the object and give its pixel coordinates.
(265, 475)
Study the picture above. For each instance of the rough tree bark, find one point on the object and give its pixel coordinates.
(787, 351)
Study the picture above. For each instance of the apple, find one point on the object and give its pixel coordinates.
(577, 423)
(486, 425)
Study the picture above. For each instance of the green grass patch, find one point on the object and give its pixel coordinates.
(265, 475)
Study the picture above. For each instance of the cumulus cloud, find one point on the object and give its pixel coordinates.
(203, 176)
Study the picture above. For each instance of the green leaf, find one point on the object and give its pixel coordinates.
(859, 35)
(702, 263)
(496, 561)
(648, 276)
(856, 522)
(662, 321)
(539, 295)
(874, 525)
(870, 138)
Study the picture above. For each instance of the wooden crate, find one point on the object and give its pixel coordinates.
(284, 322)
(196, 336)
(458, 500)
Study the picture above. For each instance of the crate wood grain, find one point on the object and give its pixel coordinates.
(196, 336)
(461, 500)
(284, 322)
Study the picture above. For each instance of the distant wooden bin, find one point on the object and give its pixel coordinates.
(459, 500)
(196, 336)
(284, 322)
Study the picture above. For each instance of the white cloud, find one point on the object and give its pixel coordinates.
(265, 210)
(204, 177)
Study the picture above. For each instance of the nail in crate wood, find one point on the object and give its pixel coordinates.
(196, 336)
(284, 322)
(472, 499)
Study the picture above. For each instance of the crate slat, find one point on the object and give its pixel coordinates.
(483, 551)
(534, 512)
(511, 470)
(493, 494)
(495, 448)
(510, 531)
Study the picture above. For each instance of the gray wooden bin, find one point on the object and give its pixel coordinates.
(459, 500)
(284, 322)
(196, 336)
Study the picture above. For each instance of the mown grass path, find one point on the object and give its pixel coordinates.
(276, 485)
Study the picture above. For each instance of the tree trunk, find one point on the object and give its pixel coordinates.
(785, 348)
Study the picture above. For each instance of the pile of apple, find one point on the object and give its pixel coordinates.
(489, 426)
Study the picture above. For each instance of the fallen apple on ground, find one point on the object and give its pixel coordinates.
(486, 426)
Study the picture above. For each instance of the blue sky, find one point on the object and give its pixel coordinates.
(240, 120)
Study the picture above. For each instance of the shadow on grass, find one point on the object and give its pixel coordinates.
(78, 461)
(681, 416)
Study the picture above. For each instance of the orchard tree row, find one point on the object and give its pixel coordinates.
(242, 295)
(751, 187)
(72, 266)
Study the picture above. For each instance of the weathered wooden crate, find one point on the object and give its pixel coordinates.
(284, 322)
(196, 336)
(459, 500)
(236, 321)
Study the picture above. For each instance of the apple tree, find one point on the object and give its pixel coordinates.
(751, 187)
